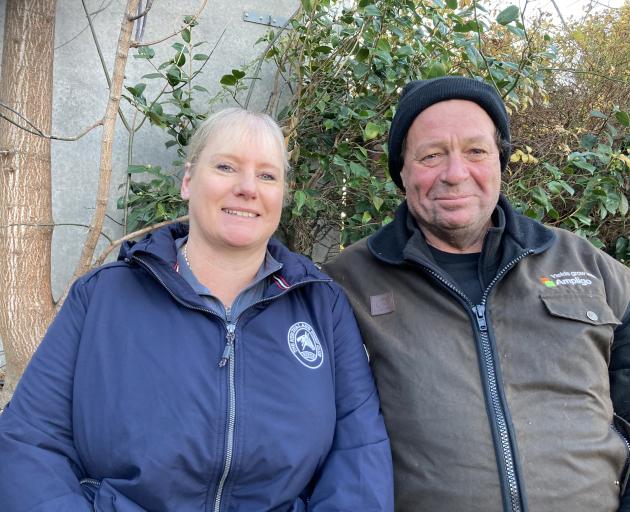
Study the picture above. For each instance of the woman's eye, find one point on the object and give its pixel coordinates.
(225, 168)
(267, 176)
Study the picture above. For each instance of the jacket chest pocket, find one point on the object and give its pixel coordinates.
(577, 318)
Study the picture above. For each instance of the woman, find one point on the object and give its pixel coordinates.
(208, 369)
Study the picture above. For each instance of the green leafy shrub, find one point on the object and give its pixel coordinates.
(340, 69)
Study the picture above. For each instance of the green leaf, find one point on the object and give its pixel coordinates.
(583, 219)
(238, 74)
(137, 89)
(145, 52)
(621, 247)
(598, 243)
(137, 169)
(299, 198)
(367, 217)
(362, 55)
(323, 49)
(372, 10)
(437, 69)
(359, 170)
(508, 15)
(173, 75)
(377, 202)
(567, 187)
(623, 205)
(623, 117)
(186, 35)
(517, 31)
(452, 4)
(372, 131)
(228, 80)
(555, 187)
(307, 6)
(588, 140)
(200, 88)
(584, 165)
(153, 75)
(473, 54)
(201, 56)
(339, 161)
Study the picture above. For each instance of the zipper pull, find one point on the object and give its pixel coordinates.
(480, 316)
(229, 344)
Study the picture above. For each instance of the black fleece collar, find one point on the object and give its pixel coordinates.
(401, 240)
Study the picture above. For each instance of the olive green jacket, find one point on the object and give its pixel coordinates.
(507, 405)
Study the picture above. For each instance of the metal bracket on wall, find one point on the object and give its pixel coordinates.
(264, 19)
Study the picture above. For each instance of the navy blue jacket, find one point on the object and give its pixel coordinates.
(139, 398)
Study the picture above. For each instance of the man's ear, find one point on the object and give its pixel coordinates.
(184, 191)
(403, 177)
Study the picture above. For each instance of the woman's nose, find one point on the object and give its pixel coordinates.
(246, 184)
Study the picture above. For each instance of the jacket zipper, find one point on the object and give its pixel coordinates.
(479, 313)
(627, 444)
(497, 407)
(90, 481)
(226, 358)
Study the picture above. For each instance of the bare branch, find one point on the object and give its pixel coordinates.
(135, 234)
(143, 13)
(94, 14)
(109, 125)
(480, 42)
(264, 53)
(192, 20)
(102, 59)
(40, 133)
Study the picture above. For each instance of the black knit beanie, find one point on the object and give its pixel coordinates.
(421, 94)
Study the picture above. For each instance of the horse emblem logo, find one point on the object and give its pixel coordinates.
(305, 345)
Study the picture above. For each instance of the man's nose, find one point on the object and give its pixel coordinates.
(456, 169)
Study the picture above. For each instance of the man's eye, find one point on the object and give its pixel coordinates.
(431, 158)
(477, 153)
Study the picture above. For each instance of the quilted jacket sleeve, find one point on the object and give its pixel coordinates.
(620, 383)
(39, 466)
(357, 474)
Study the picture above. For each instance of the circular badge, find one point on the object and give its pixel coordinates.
(305, 345)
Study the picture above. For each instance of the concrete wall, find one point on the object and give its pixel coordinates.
(80, 96)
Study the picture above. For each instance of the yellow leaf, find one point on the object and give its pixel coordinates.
(624, 159)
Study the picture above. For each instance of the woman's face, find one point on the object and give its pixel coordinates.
(235, 191)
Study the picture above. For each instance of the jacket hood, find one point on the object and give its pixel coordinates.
(388, 243)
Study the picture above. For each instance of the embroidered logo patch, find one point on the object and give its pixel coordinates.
(305, 345)
(576, 278)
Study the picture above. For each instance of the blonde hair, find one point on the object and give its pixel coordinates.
(236, 120)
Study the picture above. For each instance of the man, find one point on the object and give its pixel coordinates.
(501, 347)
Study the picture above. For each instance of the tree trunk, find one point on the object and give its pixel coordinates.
(26, 83)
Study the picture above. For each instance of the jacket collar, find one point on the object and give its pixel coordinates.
(158, 251)
(401, 240)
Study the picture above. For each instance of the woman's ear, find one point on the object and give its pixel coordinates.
(184, 191)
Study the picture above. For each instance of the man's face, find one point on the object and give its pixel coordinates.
(452, 174)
